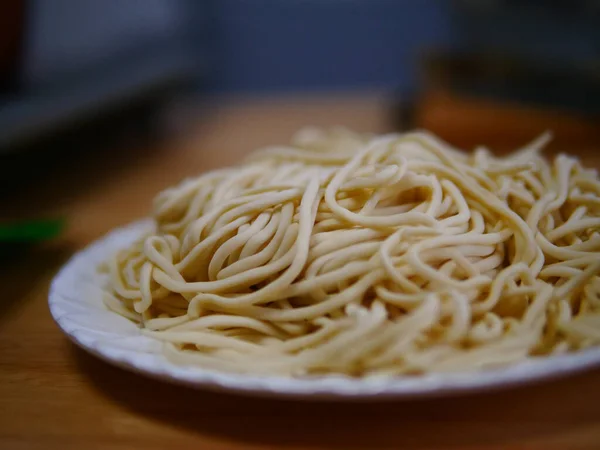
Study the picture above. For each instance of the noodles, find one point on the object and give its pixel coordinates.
(363, 255)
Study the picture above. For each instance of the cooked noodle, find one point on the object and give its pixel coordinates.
(365, 255)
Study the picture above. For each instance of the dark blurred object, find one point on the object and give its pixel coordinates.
(83, 78)
(66, 63)
(62, 144)
(99, 91)
(529, 82)
(520, 70)
(472, 100)
(559, 31)
(12, 14)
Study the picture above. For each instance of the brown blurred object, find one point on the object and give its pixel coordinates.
(12, 14)
(505, 102)
(468, 122)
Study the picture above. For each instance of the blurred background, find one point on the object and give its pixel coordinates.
(121, 97)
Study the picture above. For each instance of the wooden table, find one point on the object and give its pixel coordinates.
(55, 396)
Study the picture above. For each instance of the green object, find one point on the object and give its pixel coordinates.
(31, 231)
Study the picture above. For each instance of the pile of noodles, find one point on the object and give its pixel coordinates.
(363, 255)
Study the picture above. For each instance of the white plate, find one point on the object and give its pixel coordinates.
(76, 305)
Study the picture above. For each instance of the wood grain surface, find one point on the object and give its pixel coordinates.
(55, 396)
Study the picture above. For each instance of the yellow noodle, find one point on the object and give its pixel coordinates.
(365, 255)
